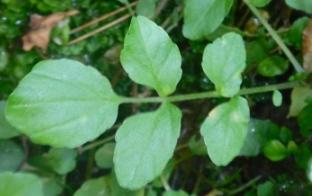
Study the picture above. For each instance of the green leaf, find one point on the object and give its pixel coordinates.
(277, 98)
(150, 57)
(225, 130)
(11, 155)
(6, 130)
(104, 156)
(305, 121)
(260, 3)
(20, 184)
(275, 150)
(202, 17)
(299, 97)
(223, 62)
(175, 193)
(52, 186)
(273, 66)
(146, 8)
(62, 103)
(294, 35)
(4, 58)
(197, 146)
(144, 145)
(303, 5)
(106, 185)
(266, 189)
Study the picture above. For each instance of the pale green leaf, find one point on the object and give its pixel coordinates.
(277, 98)
(223, 62)
(104, 155)
(303, 5)
(260, 3)
(202, 17)
(146, 8)
(6, 130)
(62, 103)
(144, 145)
(299, 97)
(150, 57)
(175, 193)
(225, 130)
(11, 155)
(52, 186)
(20, 184)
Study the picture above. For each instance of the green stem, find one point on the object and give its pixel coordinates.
(210, 94)
(276, 37)
(245, 186)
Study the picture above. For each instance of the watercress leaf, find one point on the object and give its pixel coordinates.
(144, 145)
(273, 66)
(11, 155)
(6, 130)
(266, 189)
(104, 156)
(150, 57)
(20, 184)
(146, 8)
(294, 35)
(52, 186)
(225, 130)
(62, 103)
(175, 193)
(304, 121)
(299, 97)
(277, 98)
(303, 5)
(223, 62)
(202, 17)
(260, 3)
(106, 185)
(275, 150)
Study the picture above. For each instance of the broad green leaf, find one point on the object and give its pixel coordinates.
(62, 103)
(104, 155)
(59, 160)
(303, 5)
(202, 17)
(146, 8)
(144, 145)
(106, 185)
(225, 130)
(305, 121)
(277, 98)
(6, 130)
(11, 155)
(223, 62)
(299, 97)
(175, 193)
(273, 66)
(150, 57)
(275, 150)
(260, 3)
(20, 184)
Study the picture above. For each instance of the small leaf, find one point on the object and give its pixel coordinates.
(150, 57)
(305, 121)
(275, 150)
(20, 184)
(175, 193)
(303, 5)
(266, 189)
(11, 155)
(273, 66)
(106, 185)
(146, 8)
(277, 98)
(144, 145)
(223, 62)
(202, 17)
(197, 146)
(6, 130)
(260, 3)
(62, 103)
(294, 35)
(299, 97)
(225, 130)
(104, 156)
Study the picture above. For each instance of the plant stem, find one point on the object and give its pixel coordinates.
(209, 94)
(276, 37)
(245, 186)
(97, 143)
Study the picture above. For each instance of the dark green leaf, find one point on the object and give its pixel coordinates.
(273, 66)
(275, 150)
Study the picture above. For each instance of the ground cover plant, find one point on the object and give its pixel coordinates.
(155, 97)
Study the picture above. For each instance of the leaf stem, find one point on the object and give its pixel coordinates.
(276, 37)
(209, 94)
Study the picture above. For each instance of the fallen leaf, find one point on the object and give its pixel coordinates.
(307, 48)
(40, 29)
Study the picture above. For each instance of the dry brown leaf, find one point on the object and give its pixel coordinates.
(40, 29)
(307, 48)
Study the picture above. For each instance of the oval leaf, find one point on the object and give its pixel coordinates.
(150, 57)
(277, 98)
(202, 17)
(62, 103)
(225, 130)
(303, 5)
(144, 145)
(11, 155)
(223, 62)
(20, 184)
(6, 130)
(104, 156)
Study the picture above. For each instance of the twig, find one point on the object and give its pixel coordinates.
(245, 186)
